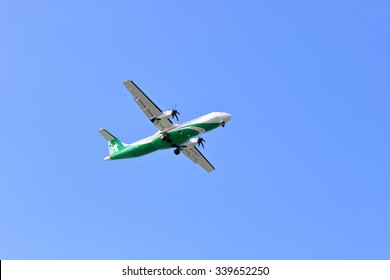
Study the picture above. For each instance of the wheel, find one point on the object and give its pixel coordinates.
(176, 151)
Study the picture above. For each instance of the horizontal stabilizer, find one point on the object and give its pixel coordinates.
(108, 136)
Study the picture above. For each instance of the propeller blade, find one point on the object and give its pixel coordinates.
(200, 142)
(174, 113)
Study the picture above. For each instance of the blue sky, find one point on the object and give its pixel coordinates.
(302, 169)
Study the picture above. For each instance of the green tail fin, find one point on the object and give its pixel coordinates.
(114, 144)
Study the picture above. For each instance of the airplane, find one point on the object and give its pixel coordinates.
(183, 138)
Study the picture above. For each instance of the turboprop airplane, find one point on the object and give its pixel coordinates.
(181, 137)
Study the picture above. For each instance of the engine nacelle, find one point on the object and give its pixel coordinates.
(191, 142)
(165, 115)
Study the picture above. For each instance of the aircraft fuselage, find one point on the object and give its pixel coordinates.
(177, 136)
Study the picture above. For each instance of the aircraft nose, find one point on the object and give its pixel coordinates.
(227, 117)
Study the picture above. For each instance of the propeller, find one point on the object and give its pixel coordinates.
(174, 113)
(200, 142)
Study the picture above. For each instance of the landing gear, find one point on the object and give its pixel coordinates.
(223, 123)
(166, 137)
(178, 148)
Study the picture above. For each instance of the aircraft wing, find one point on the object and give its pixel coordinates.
(196, 156)
(147, 106)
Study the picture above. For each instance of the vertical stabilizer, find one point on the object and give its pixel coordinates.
(114, 144)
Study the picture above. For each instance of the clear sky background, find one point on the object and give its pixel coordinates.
(302, 169)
